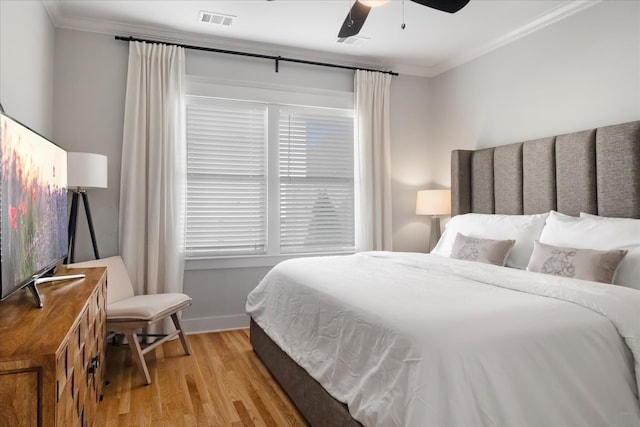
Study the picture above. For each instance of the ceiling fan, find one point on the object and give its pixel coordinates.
(360, 10)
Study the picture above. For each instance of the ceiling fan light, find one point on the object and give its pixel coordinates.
(373, 3)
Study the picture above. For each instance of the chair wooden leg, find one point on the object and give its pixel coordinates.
(183, 338)
(136, 353)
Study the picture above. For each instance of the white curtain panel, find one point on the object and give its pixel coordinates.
(153, 180)
(372, 162)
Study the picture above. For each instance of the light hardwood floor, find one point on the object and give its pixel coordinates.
(222, 383)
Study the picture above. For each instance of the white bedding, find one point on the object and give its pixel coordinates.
(421, 340)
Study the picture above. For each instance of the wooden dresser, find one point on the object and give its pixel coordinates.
(52, 358)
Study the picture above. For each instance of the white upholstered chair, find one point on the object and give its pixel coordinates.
(128, 313)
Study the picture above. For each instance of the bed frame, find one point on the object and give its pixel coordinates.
(317, 406)
(595, 171)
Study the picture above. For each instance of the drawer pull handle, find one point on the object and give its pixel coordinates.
(94, 365)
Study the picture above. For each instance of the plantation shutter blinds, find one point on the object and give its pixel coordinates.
(226, 194)
(316, 180)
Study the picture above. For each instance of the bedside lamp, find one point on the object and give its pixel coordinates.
(84, 171)
(434, 203)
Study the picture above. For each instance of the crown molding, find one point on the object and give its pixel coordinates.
(182, 37)
(172, 36)
(53, 10)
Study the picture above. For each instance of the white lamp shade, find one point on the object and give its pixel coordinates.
(86, 170)
(433, 202)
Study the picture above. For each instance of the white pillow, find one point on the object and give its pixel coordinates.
(524, 229)
(599, 233)
(612, 219)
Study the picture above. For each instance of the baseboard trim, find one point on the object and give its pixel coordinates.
(215, 324)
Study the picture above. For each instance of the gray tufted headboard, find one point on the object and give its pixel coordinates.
(595, 171)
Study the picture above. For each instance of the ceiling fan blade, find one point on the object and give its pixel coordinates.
(451, 6)
(354, 20)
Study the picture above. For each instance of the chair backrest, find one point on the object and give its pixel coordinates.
(119, 284)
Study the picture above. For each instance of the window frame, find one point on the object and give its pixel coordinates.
(274, 97)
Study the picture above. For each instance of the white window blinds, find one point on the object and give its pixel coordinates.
(226, 183)
(316, 180)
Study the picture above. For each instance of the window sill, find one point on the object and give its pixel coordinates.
(249, 261)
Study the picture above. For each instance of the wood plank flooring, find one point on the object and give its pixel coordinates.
(222, 383)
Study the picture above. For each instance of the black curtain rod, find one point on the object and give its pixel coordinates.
(277, 59)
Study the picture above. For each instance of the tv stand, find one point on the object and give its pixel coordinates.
(33, 286)
(35, 294)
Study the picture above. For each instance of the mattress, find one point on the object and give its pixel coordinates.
(415, 339)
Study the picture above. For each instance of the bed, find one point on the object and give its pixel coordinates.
(421, 339)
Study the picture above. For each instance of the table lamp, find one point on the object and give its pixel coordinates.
(434, 203)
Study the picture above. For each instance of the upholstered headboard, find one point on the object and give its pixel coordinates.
(595, 171)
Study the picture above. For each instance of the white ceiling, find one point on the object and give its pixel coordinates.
(432, 41)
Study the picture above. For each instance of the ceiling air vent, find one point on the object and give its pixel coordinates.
(353, 40)
(216, 18)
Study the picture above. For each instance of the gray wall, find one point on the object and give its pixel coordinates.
(26, 64)
(89, 87)
(578, 73)
(410, 160)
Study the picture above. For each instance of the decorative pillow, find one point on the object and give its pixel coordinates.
(599, 233)
(585, 264)
(524, 229)
(481, 250)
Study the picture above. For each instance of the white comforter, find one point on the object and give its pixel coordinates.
(421, 340)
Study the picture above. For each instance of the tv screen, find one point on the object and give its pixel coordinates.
(33, 214)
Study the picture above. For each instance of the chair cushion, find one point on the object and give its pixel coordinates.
(119, 285)
(147, 307)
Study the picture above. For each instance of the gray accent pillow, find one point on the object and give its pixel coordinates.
(585, 264)
(487, 251)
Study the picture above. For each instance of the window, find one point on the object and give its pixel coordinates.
(316, 181)
(268, 179)
(226, 180)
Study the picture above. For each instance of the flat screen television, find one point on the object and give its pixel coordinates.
(33, 207)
